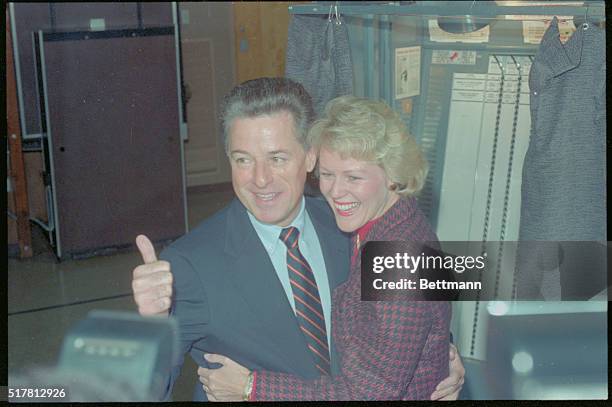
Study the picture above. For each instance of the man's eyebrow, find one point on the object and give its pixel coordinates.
(354, 170)
(238, 152)
(279, 152)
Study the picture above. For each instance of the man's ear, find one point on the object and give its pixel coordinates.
(311, 159)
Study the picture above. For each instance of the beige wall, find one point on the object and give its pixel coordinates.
(208, 72)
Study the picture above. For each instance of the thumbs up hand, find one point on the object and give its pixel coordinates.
(151, 281)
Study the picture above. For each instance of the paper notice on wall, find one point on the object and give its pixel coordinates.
(449, 57)
(407, 72)
(533, 31)
(436, 34)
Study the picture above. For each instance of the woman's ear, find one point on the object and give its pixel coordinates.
(391, 186)
(395, 186)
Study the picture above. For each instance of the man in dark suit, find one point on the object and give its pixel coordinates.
(228, 287)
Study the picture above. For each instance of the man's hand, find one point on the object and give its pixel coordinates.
(449, 388)
(152, 281)
(227, 383)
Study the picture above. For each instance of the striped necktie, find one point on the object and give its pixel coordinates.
(308, 309)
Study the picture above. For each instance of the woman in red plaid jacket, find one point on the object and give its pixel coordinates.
(369, 169)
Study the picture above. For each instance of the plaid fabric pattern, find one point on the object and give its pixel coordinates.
(308, 308)
(388, 350)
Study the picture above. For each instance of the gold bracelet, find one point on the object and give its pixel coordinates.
(249, 387)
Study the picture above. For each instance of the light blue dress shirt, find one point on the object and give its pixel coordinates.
(311, 250)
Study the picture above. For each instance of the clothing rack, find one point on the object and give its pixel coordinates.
(377, 20)
(594, 11)
(377, 30)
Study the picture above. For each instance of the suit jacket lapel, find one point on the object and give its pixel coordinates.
(254, 277)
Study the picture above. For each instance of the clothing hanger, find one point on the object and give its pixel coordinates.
(582, 21)
(335, 14)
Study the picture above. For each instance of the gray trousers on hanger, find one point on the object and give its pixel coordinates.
(318, 57)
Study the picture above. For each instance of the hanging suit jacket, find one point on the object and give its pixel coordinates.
(563, 180)
(228, 299)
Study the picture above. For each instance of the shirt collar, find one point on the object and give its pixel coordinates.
(269, 234)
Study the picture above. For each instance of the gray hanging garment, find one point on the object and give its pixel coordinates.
(318, 57)
(563, 180)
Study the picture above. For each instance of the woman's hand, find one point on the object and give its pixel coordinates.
(449, 388)
(227, 383)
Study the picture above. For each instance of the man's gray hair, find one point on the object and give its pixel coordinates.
(266, 96)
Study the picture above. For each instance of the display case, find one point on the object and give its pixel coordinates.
(458, 74)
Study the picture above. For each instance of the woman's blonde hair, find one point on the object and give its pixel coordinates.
(369, 130)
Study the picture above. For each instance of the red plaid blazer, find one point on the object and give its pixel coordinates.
(388, 350)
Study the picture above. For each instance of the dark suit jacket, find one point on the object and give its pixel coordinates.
(228, 299)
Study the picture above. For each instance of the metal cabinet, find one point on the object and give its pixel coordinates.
(110, 104)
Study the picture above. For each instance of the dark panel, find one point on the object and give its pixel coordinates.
(76, 16)
(113, 110)
(107, 34)
(29, 18)
(156, 14)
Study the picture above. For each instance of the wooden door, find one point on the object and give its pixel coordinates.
(18, 195)
(260, 38)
